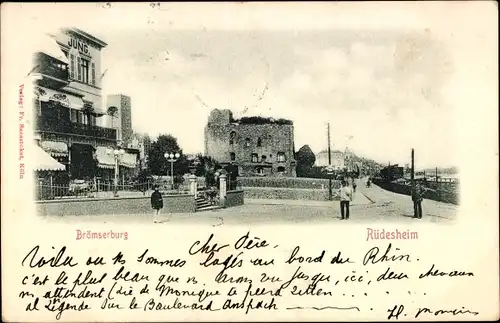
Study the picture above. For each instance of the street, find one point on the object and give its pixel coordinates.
(370, 204)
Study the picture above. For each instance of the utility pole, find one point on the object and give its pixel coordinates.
(329, 165)
(437, 185)
(412, 166)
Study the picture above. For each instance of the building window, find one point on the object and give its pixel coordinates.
(72, 67)
(281, 157)
(263, 158)
(38, 107)
(255, 158)
(259, 142)
(79, 68)
(93, 74)
(82, 118)
(93, 120)
(232, 135)
(281, 169)
(259, 170)
(247, 142)
(73, 116)
(233, 156)
(85, 71)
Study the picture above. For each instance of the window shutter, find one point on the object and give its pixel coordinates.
(79, 69)
(93, 73)
(72, 67)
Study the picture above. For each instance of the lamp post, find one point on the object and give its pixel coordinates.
(172, 158)
(117, 153)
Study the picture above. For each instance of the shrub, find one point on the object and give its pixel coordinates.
(288, 194)
(262, 120)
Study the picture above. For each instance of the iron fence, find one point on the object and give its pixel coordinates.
(100, 189)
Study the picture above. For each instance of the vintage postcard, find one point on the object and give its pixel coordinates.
(246, 161)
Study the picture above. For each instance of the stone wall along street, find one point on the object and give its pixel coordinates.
(128, 205)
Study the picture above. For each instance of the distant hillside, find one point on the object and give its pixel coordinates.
(365, 161)
(443, 170)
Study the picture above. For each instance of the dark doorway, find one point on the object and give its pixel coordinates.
(83, 165)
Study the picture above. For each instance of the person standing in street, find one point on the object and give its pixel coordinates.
(345, 198)
(417, 197)
(156, 203)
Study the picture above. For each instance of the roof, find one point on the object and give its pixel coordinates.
(87, 35)
(325, 152)
(48, 45)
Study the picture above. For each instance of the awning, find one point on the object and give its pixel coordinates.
(67, 100)
(55, 148)
(104, 159)
(48, 45)
(128, 160)
(43, 161)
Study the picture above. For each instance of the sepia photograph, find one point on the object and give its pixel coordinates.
(246, 126)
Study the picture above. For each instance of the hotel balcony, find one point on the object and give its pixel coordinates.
(54, 125)
(53, 73)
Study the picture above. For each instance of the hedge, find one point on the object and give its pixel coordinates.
(287, 182)
(280, 193)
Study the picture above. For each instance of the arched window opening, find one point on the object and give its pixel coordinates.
(232, 136)
(255, 158)
(259, 142)
(281, 157)
(233, 156)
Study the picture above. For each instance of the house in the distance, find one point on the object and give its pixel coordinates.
(338, 160)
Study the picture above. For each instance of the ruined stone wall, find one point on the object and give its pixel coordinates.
(274, 139)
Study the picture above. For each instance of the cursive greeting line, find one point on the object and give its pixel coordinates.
(324, 308)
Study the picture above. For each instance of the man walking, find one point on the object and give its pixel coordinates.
(417, 197)
(156, 203)
(345, 198)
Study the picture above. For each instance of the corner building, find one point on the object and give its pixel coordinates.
(257, 146)
(68, 105)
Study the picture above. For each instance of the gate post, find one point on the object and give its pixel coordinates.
(222, 189)
(193, 187)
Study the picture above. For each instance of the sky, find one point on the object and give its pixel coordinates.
(381, 93)
(386, 82)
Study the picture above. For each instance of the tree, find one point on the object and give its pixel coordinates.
(158, 164)
(112, 112)
(305, 160)
(205, 163)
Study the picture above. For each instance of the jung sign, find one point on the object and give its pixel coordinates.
(78, 45)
